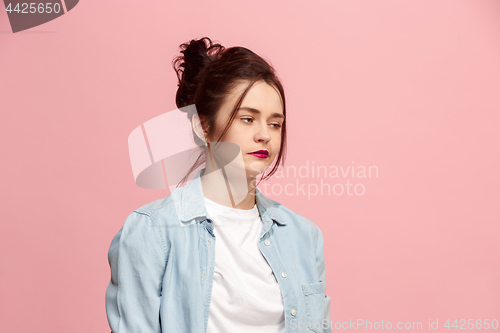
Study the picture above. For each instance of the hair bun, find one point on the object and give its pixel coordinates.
(196, 55)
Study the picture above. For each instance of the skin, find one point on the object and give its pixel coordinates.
(251, 130)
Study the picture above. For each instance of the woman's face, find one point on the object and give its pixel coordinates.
(256, 126)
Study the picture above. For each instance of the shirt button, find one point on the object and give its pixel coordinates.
(283, 274)
(267, 242)
(204, 274)
(293, 312)
(208, 241)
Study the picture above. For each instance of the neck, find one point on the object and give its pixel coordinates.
(229, 187)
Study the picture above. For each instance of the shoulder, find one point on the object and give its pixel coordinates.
(151, 218)
(302, 232)
(292, 218)
(160, 207)
(144, 227)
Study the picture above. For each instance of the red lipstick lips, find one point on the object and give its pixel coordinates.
(260, 153)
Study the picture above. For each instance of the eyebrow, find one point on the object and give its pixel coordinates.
(253, 110)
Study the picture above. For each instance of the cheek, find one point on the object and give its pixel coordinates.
(277, 141)
(233, 134)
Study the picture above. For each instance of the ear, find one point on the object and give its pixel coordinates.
(198, 129)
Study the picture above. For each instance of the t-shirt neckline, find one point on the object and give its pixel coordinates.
(233, 212)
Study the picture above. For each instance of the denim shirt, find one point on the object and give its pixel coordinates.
(162, 265)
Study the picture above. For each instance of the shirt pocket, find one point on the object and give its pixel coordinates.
(314, 296)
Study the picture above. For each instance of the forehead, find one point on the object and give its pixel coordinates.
(264, 97)
(261, 96)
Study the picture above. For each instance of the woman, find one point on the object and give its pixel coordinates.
(215, 255)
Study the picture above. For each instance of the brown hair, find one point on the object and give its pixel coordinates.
(207, 74)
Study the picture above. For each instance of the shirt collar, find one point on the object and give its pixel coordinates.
(192, 203)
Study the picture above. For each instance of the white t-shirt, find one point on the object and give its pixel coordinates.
(246, 297)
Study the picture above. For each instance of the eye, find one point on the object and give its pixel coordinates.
(247, 118)
(277, 126)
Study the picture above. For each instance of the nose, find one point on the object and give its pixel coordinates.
(262, 134)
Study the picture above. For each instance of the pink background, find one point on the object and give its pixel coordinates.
(411, 87)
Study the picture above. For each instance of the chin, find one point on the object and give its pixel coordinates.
(253, 173)
(255, 169)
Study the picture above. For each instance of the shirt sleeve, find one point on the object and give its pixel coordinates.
(137, 259)
(320, 261)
